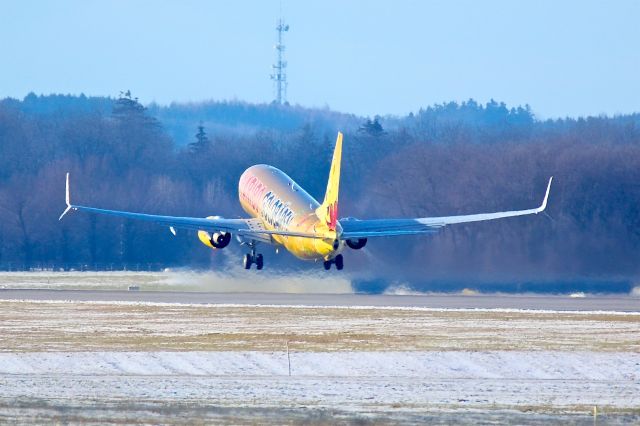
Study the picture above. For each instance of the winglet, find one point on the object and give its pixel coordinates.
(67, 199)
(546, 197)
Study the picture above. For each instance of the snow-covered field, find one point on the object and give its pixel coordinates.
(132, 326)
(349, 380)
(433, 365)
(63, 361)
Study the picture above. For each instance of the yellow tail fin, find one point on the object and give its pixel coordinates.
(328, 211)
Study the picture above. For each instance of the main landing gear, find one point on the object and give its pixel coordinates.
(252, 257)
(338, 261)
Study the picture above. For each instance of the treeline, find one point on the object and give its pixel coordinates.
(445, 159)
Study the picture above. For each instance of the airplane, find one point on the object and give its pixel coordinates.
(282, 213)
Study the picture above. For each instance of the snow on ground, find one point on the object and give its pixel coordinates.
(27, 326)
(543, 365)
(349, 380)
(126, 360)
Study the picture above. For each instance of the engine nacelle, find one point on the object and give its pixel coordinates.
(356, 243)
(218, 240)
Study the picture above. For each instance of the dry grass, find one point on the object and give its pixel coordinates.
(55, 326)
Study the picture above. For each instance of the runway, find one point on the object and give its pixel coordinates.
(435, 301)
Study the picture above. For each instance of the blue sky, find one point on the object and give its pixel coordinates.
(564, 58)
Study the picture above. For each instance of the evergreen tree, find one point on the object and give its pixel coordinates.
(127, 107)
(129, 111)
(372, 128)
(202, 142)
(139, 138)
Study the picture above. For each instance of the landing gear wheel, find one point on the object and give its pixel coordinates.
(252, 257)
(338, 261)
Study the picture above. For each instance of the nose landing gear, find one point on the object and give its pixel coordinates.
(338, 261)
(253, 257)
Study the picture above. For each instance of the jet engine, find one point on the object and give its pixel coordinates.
(356, 243)
(217, 240)
(220, 239)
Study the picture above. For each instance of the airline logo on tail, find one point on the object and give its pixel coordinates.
(332, 216)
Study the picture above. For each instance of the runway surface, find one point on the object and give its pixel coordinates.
(436, 301)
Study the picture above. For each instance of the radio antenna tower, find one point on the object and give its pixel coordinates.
(279, 75)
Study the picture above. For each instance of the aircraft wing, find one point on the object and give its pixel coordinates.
(179, 222)
(250, 228)
(354, 228)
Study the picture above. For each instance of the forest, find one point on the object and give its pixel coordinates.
(445, 159)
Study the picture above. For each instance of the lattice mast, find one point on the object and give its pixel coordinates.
(279, 75)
